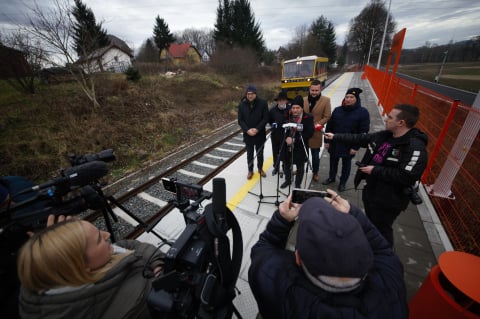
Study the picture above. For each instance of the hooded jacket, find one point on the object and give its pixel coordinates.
(122, 293)
(402, 166)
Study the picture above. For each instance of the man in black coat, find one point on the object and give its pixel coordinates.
(299, 129)
(342, 266)
(252, 118)
(277, 116)
(394, 160)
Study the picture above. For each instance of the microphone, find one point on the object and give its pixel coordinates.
(219, 199)
(289, 125)
(319, 127)
(74, 176)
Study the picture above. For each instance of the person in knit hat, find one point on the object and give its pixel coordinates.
(252, 118)
(342, 266)
(350, 117)
(296, 139)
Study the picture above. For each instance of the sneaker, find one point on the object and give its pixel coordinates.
(315, 178)
(285, 184)
(328, 181)
(341, 187)
(262, 173)
(249, 175)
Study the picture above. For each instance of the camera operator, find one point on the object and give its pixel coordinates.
(71, 270)
(278, 115)
(295, 150)
(342, 267)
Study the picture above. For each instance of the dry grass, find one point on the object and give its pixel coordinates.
(141, 121)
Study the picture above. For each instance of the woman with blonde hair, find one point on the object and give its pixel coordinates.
(71, 270)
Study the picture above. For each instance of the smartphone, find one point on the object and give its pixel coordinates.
(360, 164)
(299, 195)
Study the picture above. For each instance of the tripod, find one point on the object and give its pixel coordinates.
(261, 196)
(300, 169)
(107, 201)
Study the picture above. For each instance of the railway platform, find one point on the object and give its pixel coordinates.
(419, 236)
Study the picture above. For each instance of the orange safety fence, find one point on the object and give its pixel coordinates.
(443, 119)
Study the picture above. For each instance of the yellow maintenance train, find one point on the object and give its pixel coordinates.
(297, 74)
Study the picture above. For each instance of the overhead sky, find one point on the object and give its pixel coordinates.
(435, 21)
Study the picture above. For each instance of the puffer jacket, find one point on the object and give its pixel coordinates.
(121, 293)
(276, 281)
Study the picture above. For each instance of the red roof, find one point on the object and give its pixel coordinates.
(178, 50)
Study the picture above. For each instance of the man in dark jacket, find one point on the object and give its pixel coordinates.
(277, 116)
(395, 159)
(342, 266)
(350, 117)
(252, 118)
(295, 150)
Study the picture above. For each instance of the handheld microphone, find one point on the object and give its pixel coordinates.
(319, 127)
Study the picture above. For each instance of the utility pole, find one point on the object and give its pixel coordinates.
(437, 78)
(371, 43)
(384, 35)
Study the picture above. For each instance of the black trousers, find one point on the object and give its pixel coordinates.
(381, 216)
(251, 148)
(299, 163)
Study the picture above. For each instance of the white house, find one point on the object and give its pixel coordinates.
(115, 57)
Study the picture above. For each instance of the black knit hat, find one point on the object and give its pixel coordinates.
(331, 243)
(298, 100)
(354, 91)
(281, 96)
(251, 89)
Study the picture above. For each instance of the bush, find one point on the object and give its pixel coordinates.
(132, 74)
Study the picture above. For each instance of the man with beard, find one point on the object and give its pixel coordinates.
(319, 107)
(298, 133)
(350, 117)
(394, 160)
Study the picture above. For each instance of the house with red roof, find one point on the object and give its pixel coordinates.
(181, 54)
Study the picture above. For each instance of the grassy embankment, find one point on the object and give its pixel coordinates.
(141, 121)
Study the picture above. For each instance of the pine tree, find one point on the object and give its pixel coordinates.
(323, 32)
(88, 35)
(236, 26)
(161, 34)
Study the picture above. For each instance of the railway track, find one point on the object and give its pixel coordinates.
(139, 201)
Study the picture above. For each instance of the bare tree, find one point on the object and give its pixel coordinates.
(201, 39)
(53, 29)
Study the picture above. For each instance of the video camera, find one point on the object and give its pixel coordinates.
(74, 191)
(200, 271)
